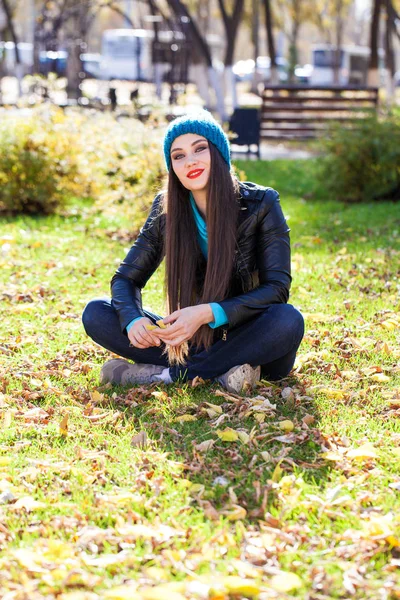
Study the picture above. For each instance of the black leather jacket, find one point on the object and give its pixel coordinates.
(261, 273)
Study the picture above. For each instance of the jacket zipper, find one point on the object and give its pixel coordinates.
(224, 334)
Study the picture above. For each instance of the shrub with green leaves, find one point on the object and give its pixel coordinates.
(362, 164)
(49, 157)
(39, 164)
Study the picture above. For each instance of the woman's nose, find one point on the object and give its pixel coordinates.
(190, 159)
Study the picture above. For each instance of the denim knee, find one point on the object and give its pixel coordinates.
(90, 315)
(288, 322)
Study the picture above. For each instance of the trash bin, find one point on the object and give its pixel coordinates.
(245, 123)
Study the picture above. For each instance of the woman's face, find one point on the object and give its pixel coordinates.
(191, 161)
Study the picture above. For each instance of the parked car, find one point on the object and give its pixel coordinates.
(244, 69)
(303, 74)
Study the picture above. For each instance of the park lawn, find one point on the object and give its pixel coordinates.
(307, 508)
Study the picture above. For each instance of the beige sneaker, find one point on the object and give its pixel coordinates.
(234, 379)
(123, 372)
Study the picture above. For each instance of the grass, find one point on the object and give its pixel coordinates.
(311, 513)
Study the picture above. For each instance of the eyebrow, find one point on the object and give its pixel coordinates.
(196, 142)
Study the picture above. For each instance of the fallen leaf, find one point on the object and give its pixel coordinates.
(380, 378)
(215, 407)
(239, 586)
(63, 427)
(285, 582)
(186, 418)
(205, 446)
(365, 451)
(196, 381)
(235, 513)
(286, 425)
(139, 440)
(244, 437)
(227, 434)
(27, 503)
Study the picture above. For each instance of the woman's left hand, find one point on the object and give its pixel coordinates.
(184, 324)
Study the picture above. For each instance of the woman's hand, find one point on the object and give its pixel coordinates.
(184, 324)
(140, 337)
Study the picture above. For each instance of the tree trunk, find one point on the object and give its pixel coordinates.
(203, 50)
(373, 67)
(293, 50)
(231, 24)
(389, 54)
(13, 33)
(338, 44)
(255, 38)
(270, 42)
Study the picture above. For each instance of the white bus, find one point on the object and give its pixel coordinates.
(127, 53)
(353, 65)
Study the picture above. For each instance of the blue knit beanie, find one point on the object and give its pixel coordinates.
(203, 123)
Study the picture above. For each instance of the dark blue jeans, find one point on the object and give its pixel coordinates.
(271, 340)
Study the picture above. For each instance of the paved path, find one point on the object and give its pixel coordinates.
(272, 152)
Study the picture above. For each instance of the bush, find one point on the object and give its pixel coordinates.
(39, 164)
(52, 156)
(362, 164)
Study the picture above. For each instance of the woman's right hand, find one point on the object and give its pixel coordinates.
(140, 337)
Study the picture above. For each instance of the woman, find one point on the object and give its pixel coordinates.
(227, 280)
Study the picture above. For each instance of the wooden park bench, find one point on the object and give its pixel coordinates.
(303, 112)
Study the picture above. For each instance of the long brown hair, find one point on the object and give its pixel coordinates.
(185, 283)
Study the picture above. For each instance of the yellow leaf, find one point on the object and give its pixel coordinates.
(227, 435)
(390, 324)
(196, 488)
(244, 437)
(276, 475)
(286, 425)
(151, 327)
(96, 396)
(7, 419)
(63, 427)
(27, 503)
(215, 407)
(161, 324)
(235, 513)
(4, 461)
(122, 592)
(160, 395)
(365, 451)
(334, 456)
(205, 446)
(285, 582)
(156, 594)
(239, 586)
(332, 393)
(259, 417)
(186, 418)
(380, 378)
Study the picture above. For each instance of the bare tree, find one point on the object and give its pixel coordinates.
(271, 42)
(390, 30)
(373, 72)
(201, 46)
(10, 26)
(231, 24)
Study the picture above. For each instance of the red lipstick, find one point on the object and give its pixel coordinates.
(195, 173)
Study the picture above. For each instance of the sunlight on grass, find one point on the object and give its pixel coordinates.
(309, 510)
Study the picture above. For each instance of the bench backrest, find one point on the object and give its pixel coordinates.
(301, 112)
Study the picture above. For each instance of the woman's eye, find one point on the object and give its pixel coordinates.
(177, 156)
(200, 148)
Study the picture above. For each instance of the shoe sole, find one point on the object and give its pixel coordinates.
(242, 375)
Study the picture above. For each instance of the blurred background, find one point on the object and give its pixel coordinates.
(221, 54)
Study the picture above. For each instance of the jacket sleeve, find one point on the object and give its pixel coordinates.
(273, 264)
(136, 269)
